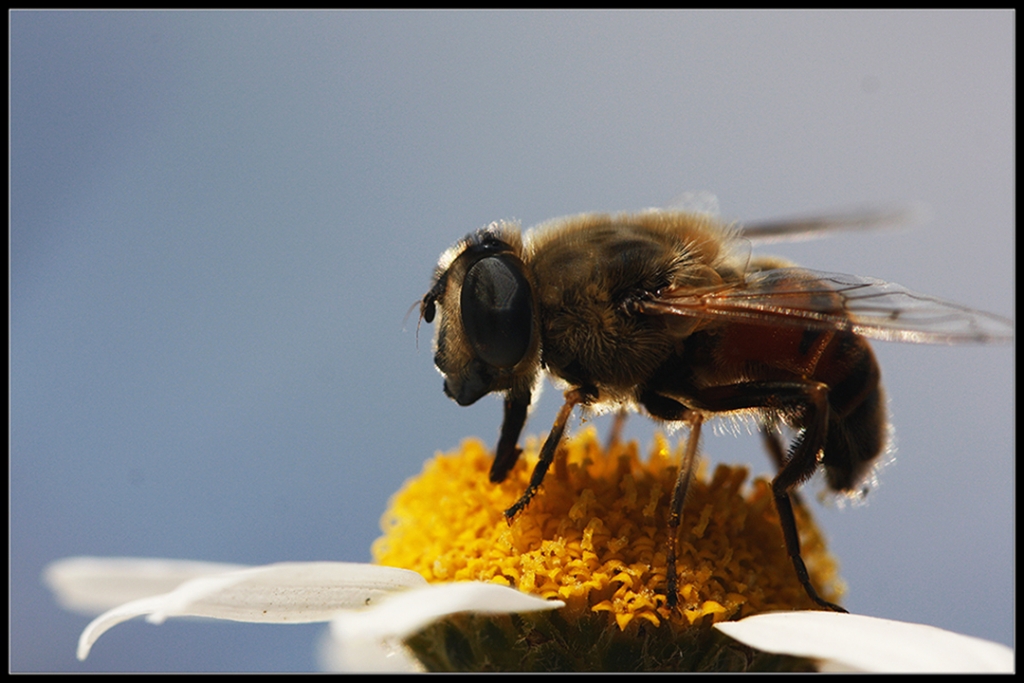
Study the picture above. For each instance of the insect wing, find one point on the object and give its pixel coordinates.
(811, 299)
(812, 227)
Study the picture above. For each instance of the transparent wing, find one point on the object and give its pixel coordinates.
(811, 227)
(699, 201)
(811, 299)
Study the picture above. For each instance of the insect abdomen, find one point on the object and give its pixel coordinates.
(858, 422)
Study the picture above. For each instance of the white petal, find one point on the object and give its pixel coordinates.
(91, 585)
(851, 642)
(293, 592)
(369, 640)
(404, 614)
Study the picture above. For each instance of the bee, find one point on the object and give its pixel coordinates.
(665, 312)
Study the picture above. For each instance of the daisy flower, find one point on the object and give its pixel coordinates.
(576, 583)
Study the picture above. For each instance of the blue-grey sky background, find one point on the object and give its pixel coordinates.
(219, 221)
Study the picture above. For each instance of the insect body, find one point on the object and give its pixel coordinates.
(661, 311)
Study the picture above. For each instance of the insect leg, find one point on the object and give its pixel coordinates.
(547, 453)
(507, 453)
(801, 464)
(683, 479)
(773, 444)
(811, 400)
(618, 422)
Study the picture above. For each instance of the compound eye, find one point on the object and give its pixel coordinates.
(497, 310)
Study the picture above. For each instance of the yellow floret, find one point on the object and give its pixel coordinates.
(596, 537)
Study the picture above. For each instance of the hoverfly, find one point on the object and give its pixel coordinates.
(662, 311)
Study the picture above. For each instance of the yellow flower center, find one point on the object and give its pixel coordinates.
(596, 534)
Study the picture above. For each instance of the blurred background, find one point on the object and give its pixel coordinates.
(219, 221)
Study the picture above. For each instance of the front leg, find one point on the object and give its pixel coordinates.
(547, 451)
(507, 453)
